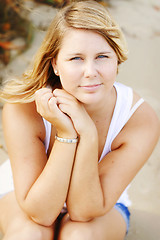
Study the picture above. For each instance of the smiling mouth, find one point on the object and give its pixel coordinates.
(91, 87)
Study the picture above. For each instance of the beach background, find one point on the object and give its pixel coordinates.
(140, 22)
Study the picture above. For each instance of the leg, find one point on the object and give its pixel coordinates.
(15, 225)
(108, 227)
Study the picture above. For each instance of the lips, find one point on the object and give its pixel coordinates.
(92, 87)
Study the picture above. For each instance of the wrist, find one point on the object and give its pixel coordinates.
(67, 135)
(66, 140)
(89, 132)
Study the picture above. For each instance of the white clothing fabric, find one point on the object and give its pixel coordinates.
(122, 113)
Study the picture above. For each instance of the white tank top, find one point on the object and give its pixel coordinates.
(122, 113)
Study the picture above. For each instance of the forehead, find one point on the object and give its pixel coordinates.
(81, 39)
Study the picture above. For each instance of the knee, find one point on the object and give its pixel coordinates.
(40, 233)
(30, 234)
(76, 232)
(36, 233)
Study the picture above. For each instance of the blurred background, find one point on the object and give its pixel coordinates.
(23, 24)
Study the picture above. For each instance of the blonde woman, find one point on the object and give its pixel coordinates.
(75, 137)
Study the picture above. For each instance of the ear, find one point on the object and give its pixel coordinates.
(54, 65)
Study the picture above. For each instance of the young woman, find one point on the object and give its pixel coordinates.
(75, 137)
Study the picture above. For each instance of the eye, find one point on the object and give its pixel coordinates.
(75, 58)
(102, 56)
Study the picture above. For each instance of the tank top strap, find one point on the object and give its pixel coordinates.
(135, 107)
(122, 113)
(48, 133)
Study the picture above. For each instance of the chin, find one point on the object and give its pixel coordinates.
(90, 100)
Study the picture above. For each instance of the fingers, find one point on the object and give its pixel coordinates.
(42, 99)
(62, 93)
(46, 104)
(64, 97)
(55, 103)
(47, 107)
(42, 95)
(52, 104)
(66, 105)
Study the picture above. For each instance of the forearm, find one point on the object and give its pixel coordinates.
(85, 197)
(85, 194)
(47, 195)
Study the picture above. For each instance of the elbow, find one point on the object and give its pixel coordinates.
(79, 217)
(43, 221)
(39, 216)
(87, 215)
(44, 218)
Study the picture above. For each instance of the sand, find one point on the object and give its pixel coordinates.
(140, 21)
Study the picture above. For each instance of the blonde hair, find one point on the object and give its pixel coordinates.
(88, 15)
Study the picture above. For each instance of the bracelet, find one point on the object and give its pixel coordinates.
(66, 140)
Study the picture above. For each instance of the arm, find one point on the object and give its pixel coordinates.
(41, 184)
(85, 198)
(94, 189)
(85, 173)
(130, 151)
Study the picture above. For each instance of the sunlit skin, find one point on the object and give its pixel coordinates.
(71, 173)
(87, 66)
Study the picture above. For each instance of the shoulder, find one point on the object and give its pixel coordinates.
(142, 129)
(24, 117)
(145, 117)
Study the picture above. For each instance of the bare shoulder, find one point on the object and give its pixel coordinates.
(146, 118)
(22, 117)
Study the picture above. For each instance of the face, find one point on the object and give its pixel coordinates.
(86, 65)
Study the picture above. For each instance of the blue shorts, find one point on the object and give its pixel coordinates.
(123, 210)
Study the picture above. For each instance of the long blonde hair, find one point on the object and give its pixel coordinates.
(88, 15)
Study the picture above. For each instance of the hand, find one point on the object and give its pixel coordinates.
(47, 107)
(69, 105)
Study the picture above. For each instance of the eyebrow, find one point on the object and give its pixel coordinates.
(98, 53)
(106, 52)
(74, 54)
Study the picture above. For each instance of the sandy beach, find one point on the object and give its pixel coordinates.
(140, 21)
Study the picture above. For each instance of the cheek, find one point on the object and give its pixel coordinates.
(110, 69)
(67, 82)
(64, 75)
(68, 75)
(67, 71)
(114, 70)
(114, 66)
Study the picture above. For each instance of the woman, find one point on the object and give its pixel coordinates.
(76, 138)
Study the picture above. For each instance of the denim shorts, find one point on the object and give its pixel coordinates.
(123, 210)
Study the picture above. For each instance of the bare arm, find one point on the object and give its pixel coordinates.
(95, 189)
(85, 197)
(41, 184)
(130, 151)
(85, 192)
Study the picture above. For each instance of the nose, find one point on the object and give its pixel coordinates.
(90, 70)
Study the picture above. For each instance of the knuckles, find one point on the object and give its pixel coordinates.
(49, 105)
(42, 91)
